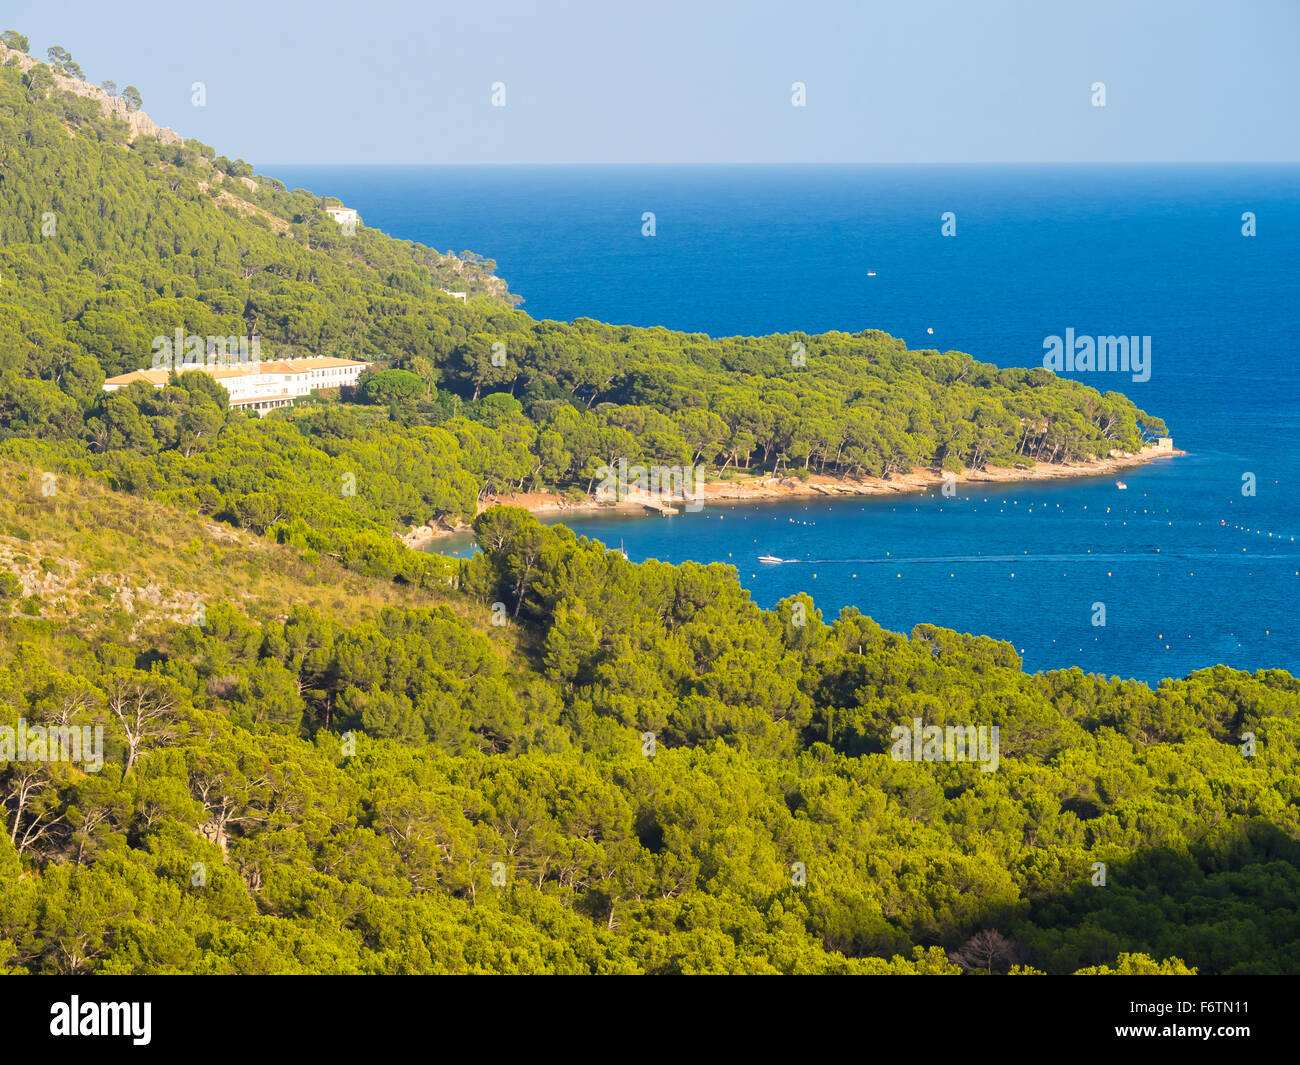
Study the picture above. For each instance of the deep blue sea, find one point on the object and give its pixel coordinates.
(1191, 572)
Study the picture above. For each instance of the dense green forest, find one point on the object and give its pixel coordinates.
(327, 753)
(145, 240)
(317, 792)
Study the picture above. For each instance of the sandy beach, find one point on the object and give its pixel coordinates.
(767, 487)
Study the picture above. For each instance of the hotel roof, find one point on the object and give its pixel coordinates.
(244, 369)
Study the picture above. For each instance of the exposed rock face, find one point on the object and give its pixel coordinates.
(25, 62)
(141, 124)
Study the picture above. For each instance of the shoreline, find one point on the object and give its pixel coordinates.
(770, 488)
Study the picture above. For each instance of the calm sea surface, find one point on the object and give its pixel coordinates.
(1191, 572)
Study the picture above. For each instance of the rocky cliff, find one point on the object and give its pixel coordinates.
(141, 124)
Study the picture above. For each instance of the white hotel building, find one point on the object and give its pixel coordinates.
(344, 216)
(260, 386)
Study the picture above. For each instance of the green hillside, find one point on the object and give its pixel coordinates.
(349, 786)
(326, 753)
(108, 242)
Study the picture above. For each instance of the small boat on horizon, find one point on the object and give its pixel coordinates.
(1121, 485)
(770, 560)
(871, 273)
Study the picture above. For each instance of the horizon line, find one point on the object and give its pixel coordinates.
(986, 162)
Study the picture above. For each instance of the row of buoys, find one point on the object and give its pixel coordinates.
(1257, 532)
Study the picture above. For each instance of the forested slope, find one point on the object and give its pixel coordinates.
(326, 753)
(410, 788)
(107, 243)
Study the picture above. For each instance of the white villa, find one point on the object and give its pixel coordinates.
(260, 386)
(344, 216)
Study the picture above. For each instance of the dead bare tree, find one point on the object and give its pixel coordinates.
(23, 788)
(144, 711)
(989, 951)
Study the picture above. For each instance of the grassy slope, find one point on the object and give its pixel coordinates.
(102, 561)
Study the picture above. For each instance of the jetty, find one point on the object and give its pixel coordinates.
(658, 507)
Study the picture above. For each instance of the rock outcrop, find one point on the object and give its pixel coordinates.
(140, 123)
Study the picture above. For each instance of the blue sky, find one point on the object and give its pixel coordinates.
(606, 81)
